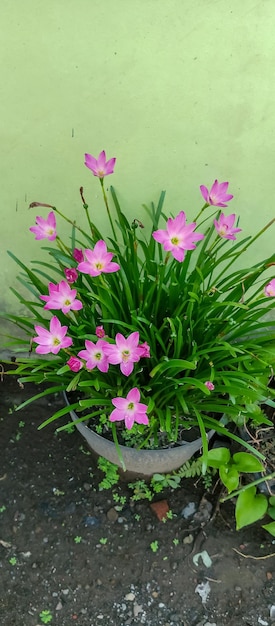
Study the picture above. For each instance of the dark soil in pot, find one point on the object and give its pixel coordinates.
(66, 549)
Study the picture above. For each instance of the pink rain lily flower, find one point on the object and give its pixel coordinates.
(78, 255)
(98, 261)
(125, 352)
(74, 364)
(129, 409)
(209, 385)
(269, 289)
(95, 355)
(62, 297)
(224, 226)
(52, 340)
(100, 167)
(178, 237)
(71, 274)
(45, 229)
(217, 196)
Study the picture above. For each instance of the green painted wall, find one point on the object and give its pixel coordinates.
(180, 92)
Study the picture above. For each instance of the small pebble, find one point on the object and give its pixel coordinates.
(26, 555)
(189, 539)
(137, 608)
(59, 606)
(90, 520)
(130, 596)
(19, 517)
(112, 515)
(272, 611)
(188, 510)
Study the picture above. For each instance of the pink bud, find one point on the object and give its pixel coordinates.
(74, 364)
(144, 350)
(209, 385)
(71, 274)
(78, 255)
(100, 332)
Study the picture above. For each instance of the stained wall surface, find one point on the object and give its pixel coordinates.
(180, 92)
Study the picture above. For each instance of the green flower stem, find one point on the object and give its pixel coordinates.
(119, 453)
(254, 483)
(201, 211)
(256, 236)
(213, 245)
(246, 247)
(62, 247)
(107, 207)
(67, 219)
(86, 208)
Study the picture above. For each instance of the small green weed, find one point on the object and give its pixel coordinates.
(45, 616)
(13, 560)
(111, 473)
(77, 539)
(141, 491)
(84, 451)
(103, 541)
(154, 546)
(119, 499)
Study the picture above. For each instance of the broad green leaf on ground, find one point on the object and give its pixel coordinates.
(250, 507)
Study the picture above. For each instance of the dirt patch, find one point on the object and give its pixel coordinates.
(66, 549)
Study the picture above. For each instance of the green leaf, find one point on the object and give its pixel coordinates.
(73, 383)
(229, 477)
(60, 413)
(247, 463)
(51, 390)
(177, 364)
(218, 456)
(271, 511)
(270, 528)
(250, 507)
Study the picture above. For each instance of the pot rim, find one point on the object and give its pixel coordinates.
(145, 462)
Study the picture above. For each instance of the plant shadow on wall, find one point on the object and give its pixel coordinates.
(157, 330)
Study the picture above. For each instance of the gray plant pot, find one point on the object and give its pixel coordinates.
(142, 462)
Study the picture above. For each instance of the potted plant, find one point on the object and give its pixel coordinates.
(157, 328)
